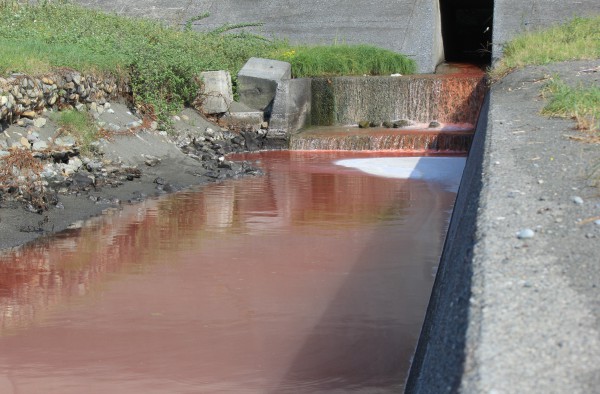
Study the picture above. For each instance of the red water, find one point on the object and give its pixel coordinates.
(311, 279)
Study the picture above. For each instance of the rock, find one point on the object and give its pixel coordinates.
(29, 114)
(4, 153)
(434, 124)
(577, 200)
(75, 163)
(80, 179)
(93, 165)
(40, 145)
(33, 137)
(3, 100)
(151, 161)
(526, 233)
(134, 123)
(24, 142)
(402, 123)
(65, 141)
(39, 122)
(24, 122)
(364, 124)
(387, 124)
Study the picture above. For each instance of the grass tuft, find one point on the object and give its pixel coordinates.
(579, 103)
(578, 39)
(79, 125)
(334, 60)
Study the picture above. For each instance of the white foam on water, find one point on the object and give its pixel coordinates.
(445, 170)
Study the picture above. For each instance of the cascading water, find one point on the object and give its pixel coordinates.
(382, 140)
(452, 100)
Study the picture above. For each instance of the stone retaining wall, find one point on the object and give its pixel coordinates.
(25, 96)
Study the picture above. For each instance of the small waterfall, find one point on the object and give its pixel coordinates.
(453, 100)
(382, 140)
(420, 98)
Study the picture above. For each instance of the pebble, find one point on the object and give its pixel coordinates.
(597, 222)
(526, 233)
(577, 200)
(39, 122)
(134, 123)
(40, 145)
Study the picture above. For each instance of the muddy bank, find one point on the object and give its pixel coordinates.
(132, 163)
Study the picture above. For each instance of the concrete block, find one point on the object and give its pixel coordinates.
(243, 117)
(257, 82)
(291, 107)
(217, 92)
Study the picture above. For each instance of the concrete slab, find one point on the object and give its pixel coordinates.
(217, 92)
(291, 108)
(257, 82)
(243, 117)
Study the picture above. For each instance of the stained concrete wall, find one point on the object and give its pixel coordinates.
(411, 27)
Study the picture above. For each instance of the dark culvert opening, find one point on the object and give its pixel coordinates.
(467, 30)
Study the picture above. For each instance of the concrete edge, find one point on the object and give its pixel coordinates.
(449, 314)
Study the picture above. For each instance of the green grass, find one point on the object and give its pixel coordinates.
(79, 125)
(579, 103)
(161, 63)
(578, 39)
(332, 60)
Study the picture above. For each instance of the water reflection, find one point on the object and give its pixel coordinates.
(313, 278)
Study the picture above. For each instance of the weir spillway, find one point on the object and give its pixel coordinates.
(416, 113)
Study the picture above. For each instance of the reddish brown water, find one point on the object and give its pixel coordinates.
(311, 279)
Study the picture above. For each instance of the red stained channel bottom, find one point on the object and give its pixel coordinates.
(311, 279)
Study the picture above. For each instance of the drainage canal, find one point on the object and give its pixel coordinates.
(312, 278)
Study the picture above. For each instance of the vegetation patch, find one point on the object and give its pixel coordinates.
(579, 103)
(578, 39)
(79, 125)
(336, 60)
